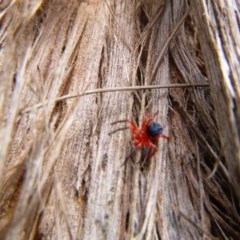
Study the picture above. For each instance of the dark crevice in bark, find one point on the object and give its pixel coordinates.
(224, 194)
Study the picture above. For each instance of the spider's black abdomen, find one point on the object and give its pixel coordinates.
(154, 129)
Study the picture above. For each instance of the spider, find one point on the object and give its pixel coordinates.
(147, 135)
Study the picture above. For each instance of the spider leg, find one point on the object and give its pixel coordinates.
(154, 149)
(155, 114)
(133, 126)
(119, 121)
(160, 136)
(164, 136)
(119, 129)
(147, 119)
(129, 156)
(145, 156)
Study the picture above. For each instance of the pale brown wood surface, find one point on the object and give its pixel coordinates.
(62, 175)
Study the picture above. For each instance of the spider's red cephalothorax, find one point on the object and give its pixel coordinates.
(147, 134)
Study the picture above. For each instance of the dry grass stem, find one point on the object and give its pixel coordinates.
(106, 90)
(71, 70)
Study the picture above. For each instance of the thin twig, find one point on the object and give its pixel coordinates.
(177, 210)
(117, 89)
(201, 138)
(167, 43)
(146, 31)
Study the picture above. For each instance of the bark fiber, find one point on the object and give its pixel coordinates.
(63, 175)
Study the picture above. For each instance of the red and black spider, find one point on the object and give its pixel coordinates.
(147, 135)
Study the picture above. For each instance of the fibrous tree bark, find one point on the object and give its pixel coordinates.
(63, 175)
